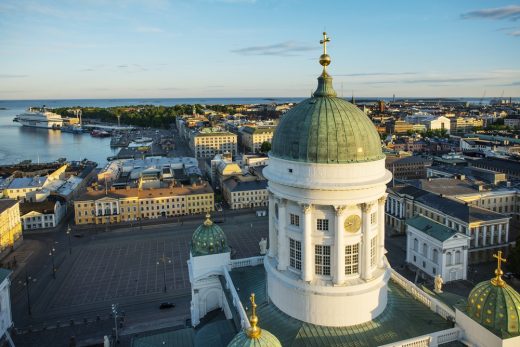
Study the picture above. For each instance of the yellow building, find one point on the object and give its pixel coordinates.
(208, 144)
(10, 225)
(133, 204)
(253, 137)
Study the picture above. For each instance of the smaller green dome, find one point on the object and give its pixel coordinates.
(208, 239)
(254, 336)
(495, 305)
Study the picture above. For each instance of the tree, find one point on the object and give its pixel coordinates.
(265, 147)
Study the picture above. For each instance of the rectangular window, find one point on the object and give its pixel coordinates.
(352, 259)
(373, 218)
(322, 260)
(373, 251)
(322, 224)
(295, 254)
(295, 219)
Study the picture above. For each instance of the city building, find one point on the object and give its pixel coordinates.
(253, 137)
(488, 230)
(44, 214)
(6, 319)
(240, 192)
(408, 167)
(98, 206)
(10, 226)
(208, 144)
(510, 167)
(436, 249)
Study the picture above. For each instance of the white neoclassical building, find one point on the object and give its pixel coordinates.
(327, 183)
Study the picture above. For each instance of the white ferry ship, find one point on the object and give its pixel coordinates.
(40, 118)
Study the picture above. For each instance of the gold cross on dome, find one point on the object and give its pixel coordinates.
(498, 281)
(499, 259)
(324, 42)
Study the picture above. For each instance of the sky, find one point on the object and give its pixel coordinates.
(66, 49)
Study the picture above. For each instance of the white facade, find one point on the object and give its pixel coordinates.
(448, 258)
(475, 334)
(206, 290)
(39, 220)
(6, 320)
(326, 232)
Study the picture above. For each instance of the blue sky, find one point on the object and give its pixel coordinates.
(233, 48)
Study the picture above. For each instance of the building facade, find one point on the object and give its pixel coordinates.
(208, 144)
(253, 137)
(40, 215)
(10, 226)
(436, 249)
(132, 204)
(245, 194)
(488, 230)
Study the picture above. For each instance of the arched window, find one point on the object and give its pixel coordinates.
(458, 258)
(435, 256)
(425, 250)
(448, 258)
(416, 245)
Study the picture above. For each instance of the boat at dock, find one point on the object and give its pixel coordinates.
(40, 117)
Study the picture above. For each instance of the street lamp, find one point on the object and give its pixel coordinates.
(51, 253)
(115, 312)
(164, 260)
(28, 280)
(68, 234)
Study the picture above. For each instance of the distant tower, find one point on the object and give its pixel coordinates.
(393, 98)
(353, 101)
(381, 105)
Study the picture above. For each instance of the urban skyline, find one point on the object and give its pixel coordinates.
(233, 48)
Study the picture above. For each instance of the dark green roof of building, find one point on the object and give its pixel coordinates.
(431, 228)
(403, 318)
(496, 307)
(326, 129)
(4, 273)
(209, 238)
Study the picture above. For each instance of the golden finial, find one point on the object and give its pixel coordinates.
(208, 221)
(254, 331)
(325, 58)
(498, 281)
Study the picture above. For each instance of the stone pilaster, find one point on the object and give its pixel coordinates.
(339, 243)
(366, 272)
(283, 249)
(307, 247)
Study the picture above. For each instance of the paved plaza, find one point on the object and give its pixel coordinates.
(130, 267)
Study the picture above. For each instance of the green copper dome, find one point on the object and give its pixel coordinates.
(495, 305)
(254, 336)
(326, 129)
(208, 239)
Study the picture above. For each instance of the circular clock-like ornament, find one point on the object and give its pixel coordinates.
(352, 223)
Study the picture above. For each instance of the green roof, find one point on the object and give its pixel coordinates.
(495, 307)
(403, 318)
(208, 238)
(431, 228)
(327, 130)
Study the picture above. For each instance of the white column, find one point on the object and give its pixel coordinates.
(366, 274)
(500, 233)
(339, 243)
(308, 261)
(476, 237)
(507, 232)
(401, 209)
(381, 230)
(282, 238)
(272, 233)
(465, 262)
(484, 235)
(492, 234)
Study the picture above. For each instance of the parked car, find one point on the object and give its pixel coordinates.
(166, 305)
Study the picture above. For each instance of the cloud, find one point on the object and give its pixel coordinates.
(366, 74)
(12, 76)
(287, 48)
(511, 13)
(146, 29)
(447, 80)
(515, 33)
